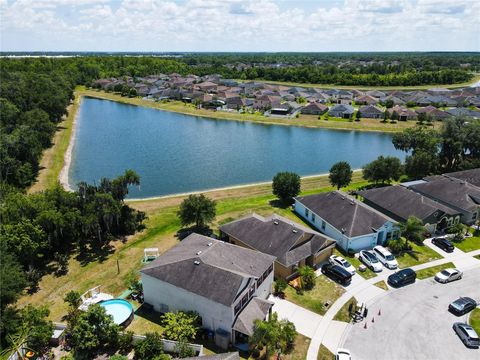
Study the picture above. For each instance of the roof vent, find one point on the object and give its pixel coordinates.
(196, 262)
(343, 197)
(352, 202)
(199, 252)
(275, 222)
(295, 231)
(210, 244)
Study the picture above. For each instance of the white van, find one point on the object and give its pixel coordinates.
(385, 257)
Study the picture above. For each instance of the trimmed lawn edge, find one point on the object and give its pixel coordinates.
(431, 271)
(382, 285)
(474, 319)
(342, 314)
(324, 353)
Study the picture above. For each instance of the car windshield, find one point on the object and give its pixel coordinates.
(346, 263)
(372, 258)
(389, 257)
(445, 272)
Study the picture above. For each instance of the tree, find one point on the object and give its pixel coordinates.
(358, 115)
(389, 103)
(421, 164)
(180, 325)
(273, 333)
(395, 115)
(340, 174)
(94, 329)
(308, 277)
(198, 210)
(413, 229)
(74, 300)
(132, 282)
(150, 347)
(286, 185)
(279, 286)
(383, 169)
(39, 329)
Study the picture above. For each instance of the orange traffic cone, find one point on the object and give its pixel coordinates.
(365, 326)
(379, 312)
(373, 319)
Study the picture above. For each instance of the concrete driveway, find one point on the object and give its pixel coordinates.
(414, 323)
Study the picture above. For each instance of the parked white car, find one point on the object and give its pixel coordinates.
(343, 354)
(448, 275)
(370, 260)
(338, 260)
(385, 257)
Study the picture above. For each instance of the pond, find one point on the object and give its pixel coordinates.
(175, 153)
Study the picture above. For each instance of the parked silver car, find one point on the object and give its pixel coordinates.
(467, 334)
(370, 260)
(448, 275)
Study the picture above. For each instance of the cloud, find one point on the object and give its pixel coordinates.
(240, 25)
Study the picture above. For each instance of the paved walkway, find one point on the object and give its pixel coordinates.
(365, 292)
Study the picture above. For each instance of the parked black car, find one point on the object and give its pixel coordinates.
(467, 334)
(443, 244)
(402, 278)
(462, 305)
(337, 273)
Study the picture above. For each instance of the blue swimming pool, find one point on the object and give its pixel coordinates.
(121, 310)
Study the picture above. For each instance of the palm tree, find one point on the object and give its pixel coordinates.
(412, 229)
(308, 276)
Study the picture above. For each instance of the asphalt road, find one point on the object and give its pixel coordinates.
(415, 323)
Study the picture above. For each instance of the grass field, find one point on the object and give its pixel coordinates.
(325, 291)
(342, 314)
(474, 320)
(431, 271)
(302, 120)
(420, 254)
(382, 285)
(324, 353)
(469, 243)
(360, 87)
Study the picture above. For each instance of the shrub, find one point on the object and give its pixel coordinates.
(398, 246)
(255, 353)
(125, 342)
(280, 286)
(150, 347)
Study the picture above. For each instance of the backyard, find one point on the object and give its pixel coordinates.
(469, 243)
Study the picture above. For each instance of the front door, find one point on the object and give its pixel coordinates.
(381, 237)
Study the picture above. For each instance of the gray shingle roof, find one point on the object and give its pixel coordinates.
(457, 193)
(403, 203)
(256, 309)
(275, 236)
(214, 271)
(471, 176)
(345, 213)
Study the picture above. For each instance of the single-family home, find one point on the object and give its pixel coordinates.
(471, 176)
(398, 202)
(464, 112)
(371, 112)
(365, 100)
(292, 244)
(354, 225)
(314, 108)
(433, 112)
(454, 193)
(403, 113)
(227, 285)
(341, 111)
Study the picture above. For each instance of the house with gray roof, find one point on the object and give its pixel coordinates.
(314, 108)
(227, 285)
(398, 202)
(341, 111)
(471, 176)
(292, 244)
(371, 112)
(454, 193)
(354, 225)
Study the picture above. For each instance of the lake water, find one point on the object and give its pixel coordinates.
(175, 153)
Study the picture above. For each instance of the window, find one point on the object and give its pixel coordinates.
(313, 217)
(238, 307)
(244, 300)
(323, 225)
(252, 291)
(259, 282)
(306, 212)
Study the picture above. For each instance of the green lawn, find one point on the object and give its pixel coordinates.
(474, 319)
(367, 274)
(381, 284)
(342, 314)
(324, 353)
(418, 255)
(431, 271)
(300, 349)
(325, 291)
(470, 243)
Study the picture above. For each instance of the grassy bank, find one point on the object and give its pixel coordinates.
(52, 160)
(431, 271)
(360, 87)
(303, 120)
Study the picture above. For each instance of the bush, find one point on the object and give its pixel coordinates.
(280, 286)
(125, 342)
(255, 353)
(150, 347)
(398, 246)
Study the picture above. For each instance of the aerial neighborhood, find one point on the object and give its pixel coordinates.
(216, 93)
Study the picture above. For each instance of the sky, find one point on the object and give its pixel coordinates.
(239, 25)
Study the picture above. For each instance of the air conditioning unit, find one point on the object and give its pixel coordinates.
(196, 262)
